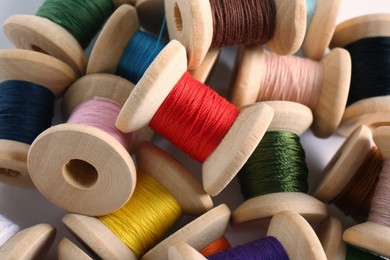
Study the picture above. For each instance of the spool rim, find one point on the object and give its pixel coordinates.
(262, 208)
(344, 164)
(289, 224)
(288, 11)
(111, 42)
(373, 112)
(330, 233)
(13, 161)
(249, 128)
(334, 92)
(190, 22)
(199, 233)
(171, 174)
(98, 237)
(35, 67)
(152, 89)
(66, 249)
(47, 169)
(369, 236)
(324, 21)
(26, 31)
(365, 26)
(30, 243)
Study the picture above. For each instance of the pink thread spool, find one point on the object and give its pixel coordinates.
(330, 87)
(374, 234)
(91, 168)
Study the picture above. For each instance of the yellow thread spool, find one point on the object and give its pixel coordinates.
(151, 211)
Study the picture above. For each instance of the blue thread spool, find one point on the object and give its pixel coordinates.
(123, 49)
(30, 81)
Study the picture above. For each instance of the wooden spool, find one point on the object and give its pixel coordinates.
(199, 233)
(72, 157)
(289, 228)
(370, 235)
(321, 29)
(169, 173)
(237, 145)
(295, 118)
(330, 233)
(67, 250)
(344, 164)
(334, 90)
(41, 34)
(40, 69)
(117, 33)
(190, 22)
(374, 111)
(30, 243)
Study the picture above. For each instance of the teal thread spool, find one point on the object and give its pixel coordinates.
(276, 179)
(49, 77)
(61, 28)
(120, 33)
(321, 23)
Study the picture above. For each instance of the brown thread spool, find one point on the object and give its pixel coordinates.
(40, 69)
(283, 227)
(372, 112)
(169, 173)
(350, 178)
(374, 234)
(116, 34)
(192, 24)
(327, 112)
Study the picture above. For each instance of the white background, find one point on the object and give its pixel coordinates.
(27, 207)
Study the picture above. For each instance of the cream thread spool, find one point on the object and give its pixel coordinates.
(67, 250)
(321, 29)
(331, 103)
(37, 33)
(154, 87)
(72, 157)
(170, 174)
(199, 233)
(29, 243)
(40, 69)
(284, 226)
(370, 235)
(374, 111)
(295, 118)
(190, 22)
(115, 36)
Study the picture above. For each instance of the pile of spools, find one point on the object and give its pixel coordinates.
(123, 76)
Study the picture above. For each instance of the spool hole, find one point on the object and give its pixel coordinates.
(38, 49)
(178, 18)
(80, 174)
(9, 173)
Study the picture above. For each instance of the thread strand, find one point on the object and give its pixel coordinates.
(194, 118)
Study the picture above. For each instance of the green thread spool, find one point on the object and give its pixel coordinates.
(277, 165)
(274, 178)
(354, 253)
(82, 19)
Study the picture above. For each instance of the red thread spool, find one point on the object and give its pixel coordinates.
(241, 131)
